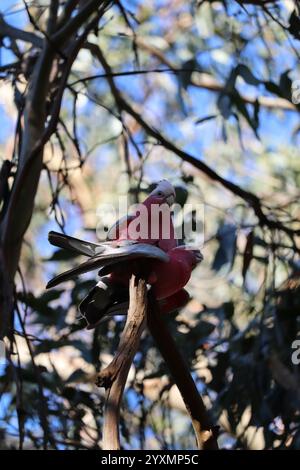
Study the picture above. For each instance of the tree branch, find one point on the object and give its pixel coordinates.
(206, 434)
(21, 201)
(114, 377)
(77, 21)
(208, 82)
(67, 12)
(16, 33)
(53, 10)
(34, 137)
(247, 196)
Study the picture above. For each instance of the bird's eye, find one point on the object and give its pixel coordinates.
(160, 193)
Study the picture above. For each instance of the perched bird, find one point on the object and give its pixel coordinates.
(167, 278)
(119, 244)
(159, 228)
(165, 266)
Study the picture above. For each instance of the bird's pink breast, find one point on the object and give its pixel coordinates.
(171, 277)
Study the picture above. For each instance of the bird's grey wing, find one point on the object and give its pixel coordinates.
(116, 228)
(74, 244)
(125, 251)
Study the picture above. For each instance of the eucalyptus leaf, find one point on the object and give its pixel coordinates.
(225, 255)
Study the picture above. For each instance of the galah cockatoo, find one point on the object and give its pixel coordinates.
(159, 225)
(166, 266)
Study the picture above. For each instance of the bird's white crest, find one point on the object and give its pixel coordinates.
(167, 189)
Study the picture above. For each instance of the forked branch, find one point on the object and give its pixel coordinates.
(114, 377)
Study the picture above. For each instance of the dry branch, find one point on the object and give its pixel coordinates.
(16, 33)
(205, 432)
(114, 377)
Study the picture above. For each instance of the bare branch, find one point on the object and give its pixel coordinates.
(77, 21)
(205, 432)
(52, 16)
(67, 12)
(247, 196)
(16, 33)
(114, 377)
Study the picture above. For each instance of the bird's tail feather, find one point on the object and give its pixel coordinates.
(89, 265)
(109, 253)
(74, 244)
(105, 299)
(108, 299)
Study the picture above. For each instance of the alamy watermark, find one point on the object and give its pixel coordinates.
(296, 354)
(2, 353)
(296, 92)
(158, 221)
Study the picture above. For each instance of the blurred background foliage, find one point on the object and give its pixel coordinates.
(214, 79)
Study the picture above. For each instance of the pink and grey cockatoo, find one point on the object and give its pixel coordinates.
(159, 226)
(166, 266)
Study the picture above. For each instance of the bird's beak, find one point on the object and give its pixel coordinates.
(199, 256)
(170, 199)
